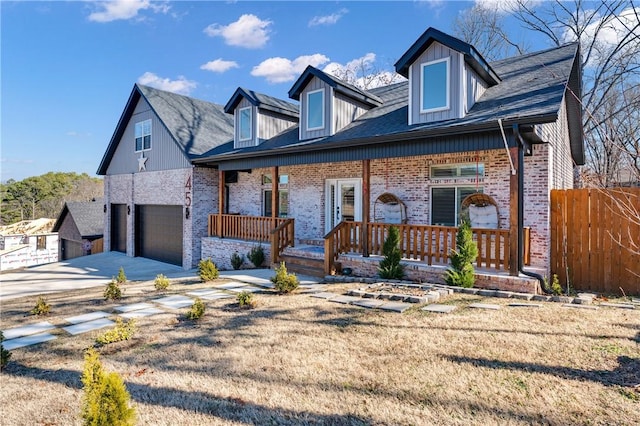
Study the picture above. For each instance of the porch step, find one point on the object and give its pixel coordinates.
(303, 265)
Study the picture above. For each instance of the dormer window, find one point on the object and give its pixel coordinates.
(244, 123)
(143, 135)
(315, 110)
(434, 85)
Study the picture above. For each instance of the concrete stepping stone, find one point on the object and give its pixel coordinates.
(33, 339)
(175, 301)
(441, 309)
(635, 300)
(618, 305)
(369, 303)
(395, 306)
(216, 296)
(231, 285)
(86, 317)
(203, 292)
(571, 305)
(347, 300)
(324, 295)
(525, 305)
(142, 313)
(133, 307)
(245, 288)
(88, 326)
(485, 306)
(27, 330)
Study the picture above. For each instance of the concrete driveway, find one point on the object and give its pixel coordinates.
(82, 272)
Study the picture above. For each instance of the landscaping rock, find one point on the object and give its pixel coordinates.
(541, 298)
(504, 294)
(486, 293)
(469, 290)
(562, 299)
(523, 296)
(416, 299)
(583, 300)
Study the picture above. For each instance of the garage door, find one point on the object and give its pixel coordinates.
(71, 249)
(119, 227)
(159, 233)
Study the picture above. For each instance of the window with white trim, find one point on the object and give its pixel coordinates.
(456, 171)
(244, 123)
(434, 85)
(143, 135)
(315, 110)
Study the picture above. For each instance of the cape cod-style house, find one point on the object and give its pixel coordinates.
(318, 179)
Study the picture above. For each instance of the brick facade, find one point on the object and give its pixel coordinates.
(219, 250)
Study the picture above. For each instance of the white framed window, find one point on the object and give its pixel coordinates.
(143, 135)
(446, 202)
(244, 123)
(434, 85)
(457, 171)
(315, 110)
(283, 202)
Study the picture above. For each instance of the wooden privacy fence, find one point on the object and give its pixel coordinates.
(250, 228)
(595, 239)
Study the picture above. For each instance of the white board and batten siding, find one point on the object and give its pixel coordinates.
(244, 103)
(346, 111)
(316, 84)
(165, 154)
(476, 87)
(272, 124)
(434, 52)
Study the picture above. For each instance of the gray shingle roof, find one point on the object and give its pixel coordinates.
(87, 215)
(262, 101)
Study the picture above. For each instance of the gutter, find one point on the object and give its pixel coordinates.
(520, 142)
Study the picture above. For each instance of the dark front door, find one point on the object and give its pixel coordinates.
(159, 233)
(119, 227)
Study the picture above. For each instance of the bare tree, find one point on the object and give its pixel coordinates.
(364, 73)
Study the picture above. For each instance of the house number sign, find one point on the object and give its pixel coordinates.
(187, 192)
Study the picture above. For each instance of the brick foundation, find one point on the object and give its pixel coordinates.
(221, 249)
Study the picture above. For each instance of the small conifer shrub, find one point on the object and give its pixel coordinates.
(237, 260)
(106, 400)
(256, 255)
(121, 278)
(121, 331)
(161, 282)
(4, 353)
(113, 291)
(207, 270)
(41, 308)
(556, 288)
(390, 267)
(461, 273)
(283, 281)
(246, 300)
(197, 310)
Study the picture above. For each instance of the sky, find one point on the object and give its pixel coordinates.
(68, 67)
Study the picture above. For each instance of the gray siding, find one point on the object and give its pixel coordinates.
(316, 84)
(475, 87)
(345, 111)
(236, 120)
(270, 124)
(165, 154)
(434, 52)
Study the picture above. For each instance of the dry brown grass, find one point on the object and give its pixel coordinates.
(299, 360)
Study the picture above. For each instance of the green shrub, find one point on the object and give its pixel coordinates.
(461, 272)
(246, 299)
(106, 400)
(4, 354)
(161, 282)
(390, 267)
(237, 260)
(121, 278)
(207, 270)
(122, 331)
(113, 291)
(41, 308)
(256, 255)
(197, 310)
(284, 281)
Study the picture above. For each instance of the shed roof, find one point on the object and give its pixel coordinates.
(87, 215)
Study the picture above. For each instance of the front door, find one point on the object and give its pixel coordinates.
(343, 201)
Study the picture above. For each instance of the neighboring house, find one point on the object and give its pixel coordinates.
(80, 226)
(28, 243)
(332, 173)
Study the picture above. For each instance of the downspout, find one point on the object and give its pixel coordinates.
(520, 142)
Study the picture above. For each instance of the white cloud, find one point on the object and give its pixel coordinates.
(181, 85)
(328, 19)
(219, 65)
(354, 65)
(280, 70)
(504, 6)
(248, 31)
(611, 31)
(361, 72)
(125, 9)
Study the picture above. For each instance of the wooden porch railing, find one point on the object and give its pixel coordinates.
(431, 244)
(281, 237)
(251, 228)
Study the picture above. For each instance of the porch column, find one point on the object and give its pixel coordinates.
(275, 179)
(366, 186)
(220, 201)
(513, 214)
